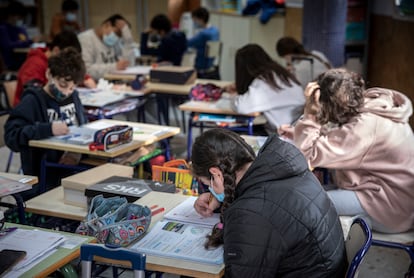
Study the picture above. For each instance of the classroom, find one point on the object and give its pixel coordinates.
(206, 138)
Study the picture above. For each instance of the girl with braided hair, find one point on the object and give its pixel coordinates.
(276, 219)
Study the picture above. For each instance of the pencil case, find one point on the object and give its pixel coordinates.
(111, 137)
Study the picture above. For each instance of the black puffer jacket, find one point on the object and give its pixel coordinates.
(282, 223)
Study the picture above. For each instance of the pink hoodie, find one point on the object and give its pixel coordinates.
(373, 155)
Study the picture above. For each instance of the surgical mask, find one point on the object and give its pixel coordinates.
(111, 39)
(197, 25)
(19, 23)
(56, 93)
(71, 17)
(219, 197)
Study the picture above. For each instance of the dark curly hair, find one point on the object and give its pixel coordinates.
(341, 96)
(67, 64)
(227, 151)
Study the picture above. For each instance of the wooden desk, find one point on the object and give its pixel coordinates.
(58, 259)
(146, 134)
(21, 178)
(51, 203)
(219, 107)
(173, 89)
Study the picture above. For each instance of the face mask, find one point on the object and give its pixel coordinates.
(111, 39)
(56, 93)
(197, 25)
(71, 17)
(19, 23)
(219, 197)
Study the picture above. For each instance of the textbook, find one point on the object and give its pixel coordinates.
(179, 240)
(186, 213)
(9, 186)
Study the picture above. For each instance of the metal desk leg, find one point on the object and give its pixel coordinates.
(20, 208)
(250, 125)
(190, 135)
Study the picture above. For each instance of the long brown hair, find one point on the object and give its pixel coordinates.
(253, 62)
(290, 46)
(227, 151)
(341, 96)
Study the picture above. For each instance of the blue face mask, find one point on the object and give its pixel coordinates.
(56, 93)
(71, 17)
(19, 23)
(110, 39)
(219, 197)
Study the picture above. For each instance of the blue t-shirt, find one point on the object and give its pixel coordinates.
(199, 42)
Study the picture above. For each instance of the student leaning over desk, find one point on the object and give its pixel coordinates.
(265, 86)
(277, 221)
(364, 136)
(103, 47)
(47, 111)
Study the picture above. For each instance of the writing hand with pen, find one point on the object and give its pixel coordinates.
(206, 204)
(59, 128)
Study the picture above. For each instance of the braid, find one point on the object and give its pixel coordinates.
(229, 152)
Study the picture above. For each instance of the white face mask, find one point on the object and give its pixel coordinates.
(110, 39)
(19, 23)
(71, 17)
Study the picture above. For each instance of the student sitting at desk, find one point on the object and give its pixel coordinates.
(305, 65)
(162, 41)
(48, 111)
(66, 20)
(102, 47)
(13, 34)
(33, 70)
(203, 64)
(277, 221)
(363, 135)
(265, 86)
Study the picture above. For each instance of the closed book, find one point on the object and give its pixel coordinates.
(131, 189)
(74, 186)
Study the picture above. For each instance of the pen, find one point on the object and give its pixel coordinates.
(210, 199)
(7, 230)
(154, 212)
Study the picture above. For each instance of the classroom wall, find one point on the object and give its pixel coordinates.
(138, 12)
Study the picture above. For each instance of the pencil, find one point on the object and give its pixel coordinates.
(210, 199)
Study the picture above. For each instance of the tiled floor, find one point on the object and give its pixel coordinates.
(379, 262)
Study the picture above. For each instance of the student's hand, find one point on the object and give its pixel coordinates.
(122, 64)
(231, 89)
(312, 94)
(89, 83)
(204, 206)
(286, 131)
(59, 128)
(69, 158)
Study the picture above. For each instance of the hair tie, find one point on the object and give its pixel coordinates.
(219, 226)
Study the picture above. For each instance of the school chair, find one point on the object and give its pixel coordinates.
(357, 243)
(7, 92)
(89, 251)
(403, 241)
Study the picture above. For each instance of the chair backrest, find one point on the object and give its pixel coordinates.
(88, 251)
(7, 92)
(3, 118)
(357, 244)
(213, 50)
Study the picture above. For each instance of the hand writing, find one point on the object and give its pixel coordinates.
(59, 128)
(205, 206)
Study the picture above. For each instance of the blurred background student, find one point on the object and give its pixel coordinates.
(203, 64)
(164, 42)
(33, 70)
(13, 34)
(102, 47)
(66, 20)
(305, 65)
(263, 85)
